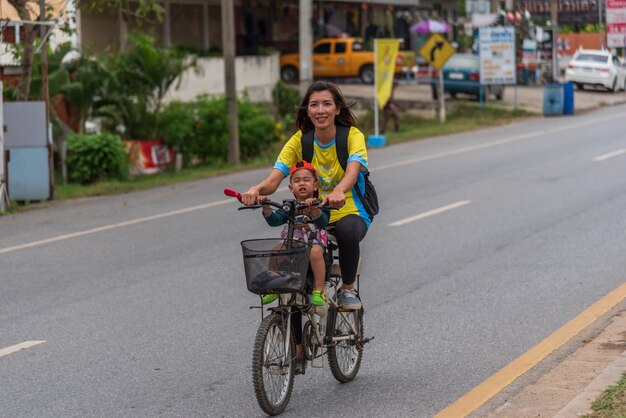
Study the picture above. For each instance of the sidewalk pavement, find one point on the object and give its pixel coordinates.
(566, 382)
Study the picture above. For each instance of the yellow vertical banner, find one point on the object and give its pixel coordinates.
(386, 53)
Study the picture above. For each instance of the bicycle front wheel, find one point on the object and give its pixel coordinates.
(272, 366)
(344, 356)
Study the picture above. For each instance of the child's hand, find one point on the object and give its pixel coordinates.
(267, 210)
(312, 211)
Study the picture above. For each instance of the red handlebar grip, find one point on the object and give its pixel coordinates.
(232, 193)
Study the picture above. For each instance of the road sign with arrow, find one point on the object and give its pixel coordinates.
(437, 50)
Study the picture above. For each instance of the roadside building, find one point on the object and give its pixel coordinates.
(12, 31)
(263, 23)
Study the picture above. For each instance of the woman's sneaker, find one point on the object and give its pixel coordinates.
(349, 299)
(318, 298)
(269, 298)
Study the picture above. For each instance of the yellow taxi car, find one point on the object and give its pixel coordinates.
(340, 57)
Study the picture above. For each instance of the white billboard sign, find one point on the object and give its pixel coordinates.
(616, 23)
(497, 55)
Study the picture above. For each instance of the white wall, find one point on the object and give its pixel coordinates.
(255, 74)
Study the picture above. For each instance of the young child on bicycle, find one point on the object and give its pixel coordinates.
(309, 227)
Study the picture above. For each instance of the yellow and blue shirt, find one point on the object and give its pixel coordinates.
(329, 171)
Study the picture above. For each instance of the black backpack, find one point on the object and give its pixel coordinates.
(369, 199)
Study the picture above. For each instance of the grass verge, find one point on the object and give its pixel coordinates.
(612, 403)
(461, 117)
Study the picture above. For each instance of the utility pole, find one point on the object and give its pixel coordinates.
(494, 5)
(600, 22)
(4, 196)
(44, 89)
(306, 44)
(228, 46)
(554, 12)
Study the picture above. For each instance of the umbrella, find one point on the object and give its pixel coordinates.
(430, 26)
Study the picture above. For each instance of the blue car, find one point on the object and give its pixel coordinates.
(461, 74)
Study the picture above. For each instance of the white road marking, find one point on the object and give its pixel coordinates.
(18, 347)
(610, 155)
(494, 143)
(430, 213)
(114, 226)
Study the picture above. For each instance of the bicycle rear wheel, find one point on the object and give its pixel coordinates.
(272, 370)
(344, 357)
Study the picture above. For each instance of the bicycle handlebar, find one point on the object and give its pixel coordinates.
(284, 205)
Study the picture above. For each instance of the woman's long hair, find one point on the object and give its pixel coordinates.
(345, 116)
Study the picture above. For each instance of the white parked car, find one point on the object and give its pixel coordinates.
(597, 68)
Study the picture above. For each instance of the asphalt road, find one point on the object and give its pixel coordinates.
(142, 305)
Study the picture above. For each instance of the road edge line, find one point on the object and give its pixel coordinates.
(494, 384)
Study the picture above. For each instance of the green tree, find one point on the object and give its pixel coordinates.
(26, 11)
(140, 78)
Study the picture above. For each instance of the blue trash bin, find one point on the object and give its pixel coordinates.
(568, 98)
(376, 140)
(553, 99)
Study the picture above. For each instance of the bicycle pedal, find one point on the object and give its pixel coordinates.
(319, 363)
(366, 340)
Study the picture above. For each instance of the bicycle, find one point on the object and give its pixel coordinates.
(282, 266)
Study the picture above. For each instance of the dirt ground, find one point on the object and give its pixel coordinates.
(418, 96)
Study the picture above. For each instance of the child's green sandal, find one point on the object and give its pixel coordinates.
(318, 298)
(269, 298)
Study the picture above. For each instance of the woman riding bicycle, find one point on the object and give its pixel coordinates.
(322, 109)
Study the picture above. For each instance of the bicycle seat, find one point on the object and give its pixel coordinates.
(276, 281)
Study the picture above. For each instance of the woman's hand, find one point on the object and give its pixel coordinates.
(251, 197)
(335, 199)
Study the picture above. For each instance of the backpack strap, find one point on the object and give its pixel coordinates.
(341, 144)
(341, 138)
(307, 146)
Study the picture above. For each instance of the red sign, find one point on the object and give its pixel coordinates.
(615, 4)
(617, 28)
(148, 156)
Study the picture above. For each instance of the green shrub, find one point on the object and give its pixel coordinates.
(256, 129)
(96, 157)
(286, 99)
(200, 129)
(177, 126)
(211, 139)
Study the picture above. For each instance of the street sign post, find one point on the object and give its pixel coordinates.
(437, 50)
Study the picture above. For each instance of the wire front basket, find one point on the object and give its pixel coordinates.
(273, 268)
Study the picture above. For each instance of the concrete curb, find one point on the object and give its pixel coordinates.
(581, 404)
